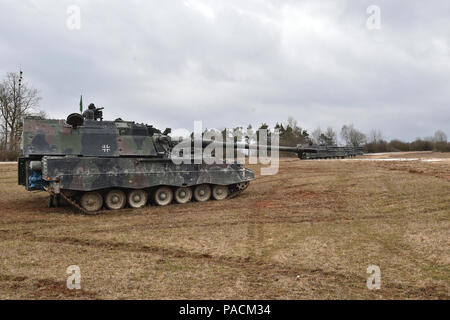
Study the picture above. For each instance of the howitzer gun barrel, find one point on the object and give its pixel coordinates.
(240, 145)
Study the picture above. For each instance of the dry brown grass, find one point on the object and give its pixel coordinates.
(309, 232)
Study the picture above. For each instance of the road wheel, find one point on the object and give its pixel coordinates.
(163, 196)
(115, 199)
(202, 193)
(220, 192)
(137, 199)
(91, 201)
(183, 195)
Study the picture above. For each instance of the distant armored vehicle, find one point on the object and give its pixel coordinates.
(331, 152)
(95, 164)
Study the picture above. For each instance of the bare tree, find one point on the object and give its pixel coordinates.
(316, 135)
(440, 136)
(375, 136)
(330, 136)
(292, 122)
(351, 136)
(16, 101)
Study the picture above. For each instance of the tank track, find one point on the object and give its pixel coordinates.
(74, 204)
(235, 190)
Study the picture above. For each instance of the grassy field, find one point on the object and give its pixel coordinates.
(309, 232)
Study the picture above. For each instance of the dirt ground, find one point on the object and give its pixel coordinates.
(309, 232)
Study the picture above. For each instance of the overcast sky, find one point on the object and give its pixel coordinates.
(230, 63)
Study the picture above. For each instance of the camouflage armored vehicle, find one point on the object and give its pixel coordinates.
(95, 164)
(331, 152)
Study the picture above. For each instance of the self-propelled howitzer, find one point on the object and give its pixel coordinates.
(95, 164)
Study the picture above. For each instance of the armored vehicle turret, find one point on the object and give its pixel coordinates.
(95, 164)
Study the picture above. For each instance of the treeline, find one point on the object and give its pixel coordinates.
(416, 145)
(291, 134)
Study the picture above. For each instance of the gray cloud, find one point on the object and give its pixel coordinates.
(231, 63)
